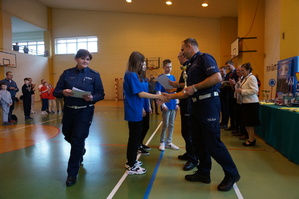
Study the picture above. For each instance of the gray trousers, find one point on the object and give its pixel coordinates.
(168, 124)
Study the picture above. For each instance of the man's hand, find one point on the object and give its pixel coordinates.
(163, 98)
(189, 90)
(67, 92)
(88, 97)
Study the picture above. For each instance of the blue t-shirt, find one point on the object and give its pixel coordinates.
(171, 105)
(145, 101)
(132, 102)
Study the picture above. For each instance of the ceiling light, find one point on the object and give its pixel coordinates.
(169, 3)
(204, 5)
(129, 1)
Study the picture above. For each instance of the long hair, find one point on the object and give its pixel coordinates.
(135, 64)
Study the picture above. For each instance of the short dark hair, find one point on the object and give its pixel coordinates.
(191, 41)
(26, 78)
(8, 72)
(83, 53)
(247, 66)
(166, 61)
(229, 62)
(2, 83)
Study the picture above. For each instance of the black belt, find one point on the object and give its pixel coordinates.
(79, 107)
(205, 96)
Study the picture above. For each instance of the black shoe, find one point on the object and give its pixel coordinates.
(146, 147)
(197, 177)
(183, 157)
(84, 151)
(189, 165)
(228, 182)
(71, 180)
(143, 152)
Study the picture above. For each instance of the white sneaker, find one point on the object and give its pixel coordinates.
(136, 170)
(172, 146)
(162, 146)
(137, 164)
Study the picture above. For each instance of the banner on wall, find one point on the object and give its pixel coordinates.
(286, 76)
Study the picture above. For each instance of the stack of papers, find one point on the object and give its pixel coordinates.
(79, 93)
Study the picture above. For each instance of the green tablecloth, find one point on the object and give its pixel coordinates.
(280, 129)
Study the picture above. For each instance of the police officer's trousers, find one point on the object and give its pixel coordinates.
(206, 137)
(76, 123)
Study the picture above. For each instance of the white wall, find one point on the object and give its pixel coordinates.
(272, 41)
(33, 12)
(121, 33)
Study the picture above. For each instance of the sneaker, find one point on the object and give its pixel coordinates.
(162, 146)
(146, 147)
(172, 146)
(5, 123)
(137, 164)
(136, 170)
(143, 152)
(12, 121)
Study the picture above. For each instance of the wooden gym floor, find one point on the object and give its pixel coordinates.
(34, 155)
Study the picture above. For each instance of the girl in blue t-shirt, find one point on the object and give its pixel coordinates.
(133, 105)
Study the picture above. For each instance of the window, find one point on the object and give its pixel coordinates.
(72, 44)
(31, 47)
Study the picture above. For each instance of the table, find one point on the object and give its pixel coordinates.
(280, 129)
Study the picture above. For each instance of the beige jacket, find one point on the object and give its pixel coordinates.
(250, 89)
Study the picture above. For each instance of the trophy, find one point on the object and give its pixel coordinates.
(184, 68)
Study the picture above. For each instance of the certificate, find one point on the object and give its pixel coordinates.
(164, 81)
(79, 93)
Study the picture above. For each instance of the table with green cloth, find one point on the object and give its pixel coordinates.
(280, 128)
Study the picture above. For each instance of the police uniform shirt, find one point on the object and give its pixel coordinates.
(85, 79)
(202, 66)
(132, 102)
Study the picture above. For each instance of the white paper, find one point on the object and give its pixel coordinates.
(164, 81)
(79, 93)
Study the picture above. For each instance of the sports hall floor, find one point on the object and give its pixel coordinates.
(34, 155)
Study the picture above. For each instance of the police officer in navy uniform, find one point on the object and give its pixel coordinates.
(203, 82)
(78, 111)
(192, 160)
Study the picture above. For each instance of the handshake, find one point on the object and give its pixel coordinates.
(164, 97)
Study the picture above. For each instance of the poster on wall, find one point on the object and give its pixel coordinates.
(284, 71)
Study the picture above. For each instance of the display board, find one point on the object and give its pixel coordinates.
(234, 50)
(286, 76)
(8, 59)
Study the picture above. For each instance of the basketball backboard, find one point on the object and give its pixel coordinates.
(8, 59)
